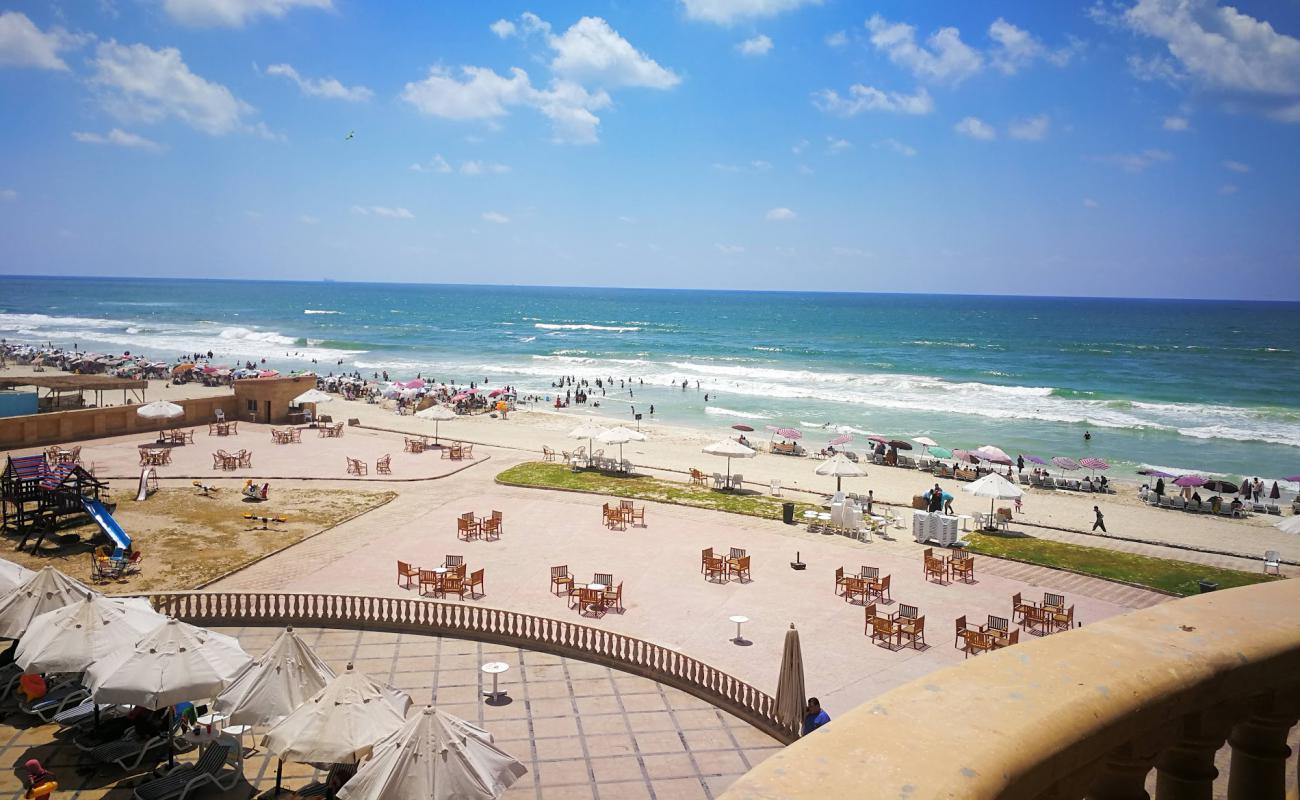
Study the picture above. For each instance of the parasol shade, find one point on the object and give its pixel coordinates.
(1224, 487)
(1093, 463)
(899, 444)
(160, 409)
(743, 428)
(993, 454)
(789, 433)
(925, 441)
(1189, 480)
(1066, 463)
(1033, 459)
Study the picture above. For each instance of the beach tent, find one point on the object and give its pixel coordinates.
(44, 591)
(435, 756)
(839, 466)
(71, 638)
(341, 723)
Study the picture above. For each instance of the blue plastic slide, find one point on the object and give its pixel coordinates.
(107, 524)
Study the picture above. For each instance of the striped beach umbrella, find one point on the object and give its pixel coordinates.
(843, 438)
(1066, 463)
(1034, 459)
(1093, 463)
(789, 433)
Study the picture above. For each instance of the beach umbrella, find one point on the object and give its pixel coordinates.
(1275, 493)
(160, 409)
(341, 723)
(1065, 463)
(438, 414)
(620, 436)
(587, 430)
(42, 592)
(995, 487)
(71, 638)
(843, 438)
(435, 756)
(841, 468)
(275, 683)
(939, 452)
(790, 691)
(1292, 479)
(496, 392)
(1189, 480)
(1094, 464)
(1289, 525)
(1155, 473)
(925, 441)
(789, 433)
(898, 444)
(313, 396)
(1220, 487)
(875, 437)
(965, 455)
(743, 428)
(994, 454)
(729, 449)
(12, 575)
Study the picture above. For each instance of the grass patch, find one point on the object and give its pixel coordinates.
(560, 476)
(1178, 577)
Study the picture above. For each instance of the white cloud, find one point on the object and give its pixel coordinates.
(975, 128)
(22, 44)
(321, 87)
(849, 252)
(836, 145)
(1236, 166)
(1228, 188)
(435, 164)
(759, 45)
(1177, 123)
(1136, 162)
(1155, 68)
(233, 13)
(1030, 129)
(8, 195)
(261, 131)
(1088, 202)
(896, 146)
(495, 217)
(118, 137)
(590, 50)
(1015, 48)
(799, 146)
(725, 12)
(729, 249)
(391, 212)
(307, 219)
(140, 84)
(483, 168)
(804, 169)
(837, 39)
(760, 164)
(868, 98)
(720, 167)
(944, 57)
(780, 215)
(503, 28)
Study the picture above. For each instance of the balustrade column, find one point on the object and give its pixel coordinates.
(1185, 770)
(1259, 752)
(1122, 775)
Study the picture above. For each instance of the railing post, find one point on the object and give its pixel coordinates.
(1185, 770)
(1259, 751)
(1122, 775)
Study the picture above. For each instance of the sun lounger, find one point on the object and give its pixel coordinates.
(85, 712)
(1275, 509)
(130, 751)
(56, 700)
(185, 778)
(338, 774)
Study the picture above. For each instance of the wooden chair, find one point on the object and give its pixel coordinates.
(1037, 618)
(475, 579)
(453, 583)
(560, 578)
(245, 459)
(1018, 607)
(575, 594)
(467, 527)
(705, 555)
(698, 478)
(740, 568)
(453, 561)
(1009, 639)
(935, 567)
(1063, 620)
(589, 601)
(604, 578)
(913, 630)
(612, 597)
(547, 453)
(357, 467)
(883, 629)
(734, 558)
(613, 517)
(963, 568)
(636, 515)
(218, 462)
(839, 578)
(715, 568)
(431, 581)
(384, 466)
(855, 587)
(1053, 602)
(491, 525)
(870, 573)
(878, 589)
(976, 642)
(406, 572)
(960, 632)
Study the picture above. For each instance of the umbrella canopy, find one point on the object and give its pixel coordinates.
(438, 414)
(312, 396)
(587, 430)
(899, 444)
(1289, 525)
(994, 454)
(12, 575)
(621, 436)
(435, 756)
(44, 591)
(939, 452)
(789, 433)
(925, 441)
(1033, 459)
(1292, 479)
(995, 487)
(174, 663)
(160, 409)
(729, 449)
(1189, 480)
(841, 468)
(1065, 463)
(790, 698)
(1093, 463)
(275, 684)
(1155, 473)
(875, 437)
(1225, 487)
(743, 428)
(965, 455)
(71, 638)
(341, 723)
(843, 438)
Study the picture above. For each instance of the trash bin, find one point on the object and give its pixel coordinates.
(1207, 586)
(787, 513)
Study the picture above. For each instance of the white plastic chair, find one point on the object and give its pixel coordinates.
(776, 487)
(1272, 561)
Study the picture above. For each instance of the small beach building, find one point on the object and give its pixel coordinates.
(267, 399)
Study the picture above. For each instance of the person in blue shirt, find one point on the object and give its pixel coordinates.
(814, 717)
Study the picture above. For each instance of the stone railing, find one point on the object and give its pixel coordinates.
(498, 626)
(1088, 713)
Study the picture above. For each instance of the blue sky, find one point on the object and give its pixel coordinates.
(1131, 147)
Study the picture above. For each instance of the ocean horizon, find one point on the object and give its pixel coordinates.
(1186, 385)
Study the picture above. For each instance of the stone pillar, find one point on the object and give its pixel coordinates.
(1259, 752)
(1185, 770)
(1122, 776)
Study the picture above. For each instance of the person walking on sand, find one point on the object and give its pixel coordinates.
(1100, 521)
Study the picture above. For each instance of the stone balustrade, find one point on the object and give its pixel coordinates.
(498, 626)
(1083, 714)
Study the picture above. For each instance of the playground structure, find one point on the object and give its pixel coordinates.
(38, 498)
(206, 489)
(266, 521)
(252, 491)
(148, 484)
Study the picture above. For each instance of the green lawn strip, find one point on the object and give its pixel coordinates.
(560, 476)
(1177, 577)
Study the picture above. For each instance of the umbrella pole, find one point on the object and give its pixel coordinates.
(171, 740)
(838, 483)
(279, 768)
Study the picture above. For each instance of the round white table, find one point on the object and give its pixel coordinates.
(494, 668)
(739, 620)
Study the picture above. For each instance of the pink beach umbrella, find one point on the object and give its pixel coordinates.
(875, 437)
(994, 454)
(1093, 464)
(789, 433)
(1033, 459)
(843, 438)
(965, 456)
(496, 392)
(1065, 463)
(1189, 480)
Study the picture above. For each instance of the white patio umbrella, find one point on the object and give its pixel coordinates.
(313, 396)
(435, 756)
(160, 409)
(46, 590)
(71, 638)
(841, 467)
(587, 430)
(926, 441)
(790, 699)
(620, 436)
(341, 723)
(12, 575)
(438, 414)
(275, 683)
(995, 487)
(1289, 525)
(729, 448)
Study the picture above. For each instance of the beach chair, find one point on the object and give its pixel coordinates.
(715, 569)
(130, 751)
(717, 481)
(209, 770)
(338, 775)
(1275, 509)
(697, 478)
(612, 597)
(467, 527)
(1272, 561)
(913, 630)
(491, 526)
(454, 583)
(58, 699)
(737, 481)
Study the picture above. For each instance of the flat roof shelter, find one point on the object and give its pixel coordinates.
(56, 386)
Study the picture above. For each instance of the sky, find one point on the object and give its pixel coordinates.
(1145, 148)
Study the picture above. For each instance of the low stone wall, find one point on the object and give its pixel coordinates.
(59, 427)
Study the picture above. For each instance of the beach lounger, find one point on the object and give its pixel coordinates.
(185, 778)
(130, 751)
(56, 700)
(338, 774)
(1179, 504)
(85, 712)
(1166, 502)
(1024, 479)
(1275, 509)
(1258, 508)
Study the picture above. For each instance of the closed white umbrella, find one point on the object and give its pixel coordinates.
(71, 638)
(435, 756)
(841, 467)
(12, 575)
(275, 683)
(313, 396)
(620, 436)
(44, 591)
(995, 487)
(438, 414)
(341, 723)
(729, 448)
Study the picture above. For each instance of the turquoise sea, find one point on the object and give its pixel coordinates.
(1192, 385)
